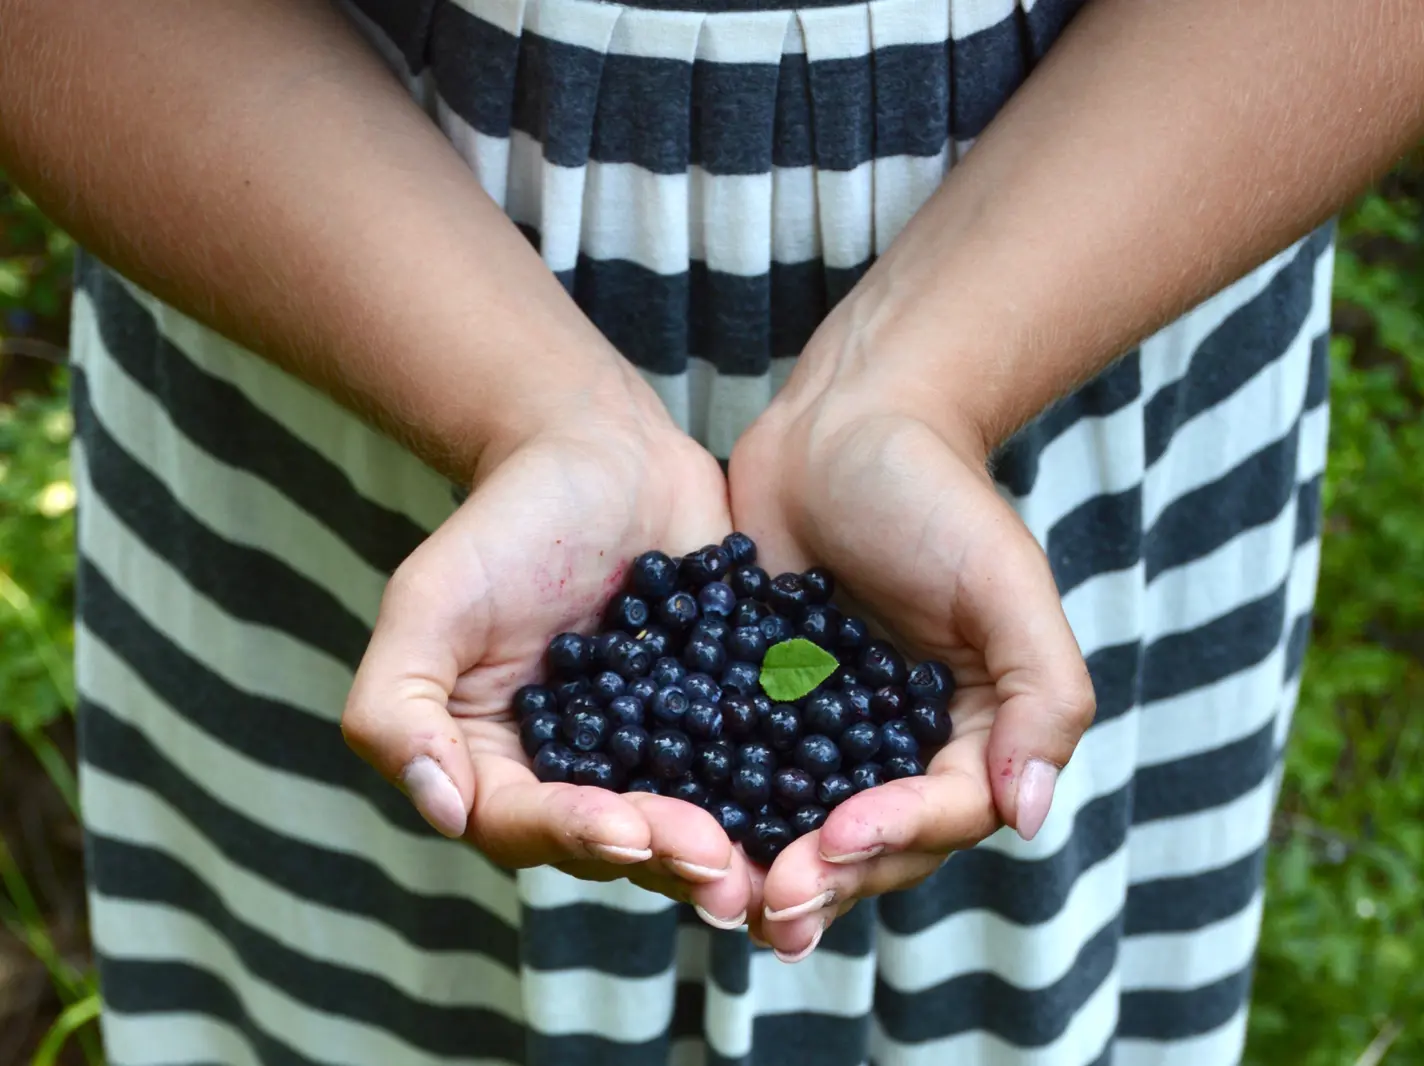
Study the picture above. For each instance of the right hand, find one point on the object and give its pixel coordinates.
(539, 548)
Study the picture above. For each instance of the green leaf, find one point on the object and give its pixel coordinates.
(795, 667)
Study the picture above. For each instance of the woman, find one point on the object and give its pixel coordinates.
(705, 189)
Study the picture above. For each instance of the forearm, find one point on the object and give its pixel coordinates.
(1162, 150)
(250, 162)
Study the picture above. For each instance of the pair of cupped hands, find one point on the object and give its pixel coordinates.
(840, 471)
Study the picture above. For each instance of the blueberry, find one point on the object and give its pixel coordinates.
(733, 819)
(628, 613)
(703, 721)
(628, 744)
(820, 585)
(654, 575)
(669, 706)
(763, 705)
(792, 788)
(820, 624)
(534, 699)
(767, 838)
(858, 696)
(705, 565)
(587, 704)
(565, 692)
(751, 785)
(553, 763)
(624, 710)
(691, 790)
(678, 611)
(783, 727)
(537, 730)
(867, 775)
(642, 689)
(570, 656)
(853, 635)
(897, 740)
(738, 716)
(655, 640)
(704, 655)
(701, 687)
(749, 582)
(776, 629)
(740, 549)
(645, 784)
(717, 629)
(585, 730)
(608, 684)
(827, 712)
(818, 756)
(834, 790)
(741, 678)
(748, 644)
(787, 595)
(713, 765)
(669, 753)
(603, 645)
(716, 599)
(929, 723)
(747, 613)
(595, 768)
(888, 704)
(903, 766)
(808, 819)
(881, 664)
(630, 659)
(755, 753)
(668, 671)
(860, 742)
(931, 681)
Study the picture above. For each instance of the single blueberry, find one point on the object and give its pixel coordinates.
(626, 709)
(655, 640)
(792, 788)
(748, 644)
(570, 655)
(701, 687)
(820, 622)
(755, 753)
(669, 705)
(860, 742)
(888, 704)
(596, 769)
(534, 699)
(932, 682)
(713, 765)
(703, 721)
(678, 611)
(585, 704)
(776, 629)
(787, 595)
(669, 754)
(738, 716)
(866, 775)
(808, 819)
(733, 819)
(537, 730)
(628, 613)
(751, 786)
(763, 705)
(645, 784)
(767, 838)
(654, 575)
(603, 645)
(740, 549)
(554, 762)
(747, 613)
(608, 684)
(820, 584)
(834, 790)
(903, 766)
(707, 564)
(716, 629)
(642, 688)
(741, 678)
(716, 599)
(704, 656)
(858, 696)
(853, 635)
(818, 755)
(628, 744)
(783, 727)
(897, 740)
(827, 712)
(691, 790)
(668, 671)
(566, 691)
(631, 660)
(585, 730)
(929, 723)
(881, 665)
(749, 582)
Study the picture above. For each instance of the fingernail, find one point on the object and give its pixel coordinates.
(692, 872)
(622, 856)
(721, 923)
(807, 949)
(434, 795)
(1036, 782)
(801, 909)
(854, 856)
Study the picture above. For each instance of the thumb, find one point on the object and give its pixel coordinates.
(1045, 694)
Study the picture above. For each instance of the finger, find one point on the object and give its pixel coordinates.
(690, 846)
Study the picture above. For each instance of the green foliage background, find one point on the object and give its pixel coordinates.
(1339, 978)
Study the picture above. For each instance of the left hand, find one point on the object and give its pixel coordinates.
(841, 472)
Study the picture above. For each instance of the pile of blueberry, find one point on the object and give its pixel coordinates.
(668, 697)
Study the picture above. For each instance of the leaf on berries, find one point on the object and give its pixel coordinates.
(795, 667)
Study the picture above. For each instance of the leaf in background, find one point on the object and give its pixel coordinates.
(795, 667)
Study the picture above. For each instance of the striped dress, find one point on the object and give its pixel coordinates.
(707, 177)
